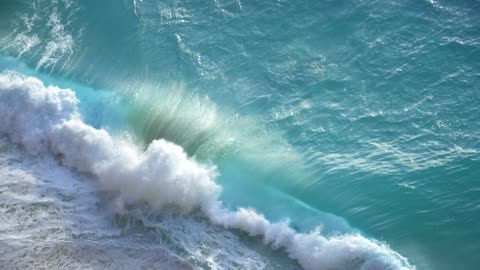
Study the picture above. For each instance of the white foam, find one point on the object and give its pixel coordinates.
(45, 120)
(60, 44)
(313, 250)
(24, 43)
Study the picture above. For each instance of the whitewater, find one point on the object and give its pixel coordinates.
(232, 134)
(45, 120)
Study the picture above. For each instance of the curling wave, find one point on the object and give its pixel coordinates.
(45, 120)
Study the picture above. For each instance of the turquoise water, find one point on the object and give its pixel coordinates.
(361, 116)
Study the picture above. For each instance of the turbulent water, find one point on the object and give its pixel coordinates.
(233, 134)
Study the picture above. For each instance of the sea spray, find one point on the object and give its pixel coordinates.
(45, 120)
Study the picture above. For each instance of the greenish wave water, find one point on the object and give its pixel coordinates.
(357, 116)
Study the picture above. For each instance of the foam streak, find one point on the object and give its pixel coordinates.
(45, 120)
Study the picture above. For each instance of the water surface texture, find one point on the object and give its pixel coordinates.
(234, 134)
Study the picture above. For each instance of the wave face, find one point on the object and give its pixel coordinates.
(225, 134)
(45, 120)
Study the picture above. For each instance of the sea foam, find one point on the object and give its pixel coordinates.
(45, 120)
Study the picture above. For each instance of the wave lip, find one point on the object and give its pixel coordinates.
(45, 120)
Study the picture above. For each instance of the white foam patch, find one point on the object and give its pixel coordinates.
(60, 44)
(24, 42)
(45, 120)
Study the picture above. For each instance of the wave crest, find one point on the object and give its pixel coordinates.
(45, 120)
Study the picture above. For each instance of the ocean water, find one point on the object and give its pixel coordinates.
(233, 134)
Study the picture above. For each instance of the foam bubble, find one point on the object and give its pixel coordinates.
(45, 120)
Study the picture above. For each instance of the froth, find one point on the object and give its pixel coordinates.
(45, 120)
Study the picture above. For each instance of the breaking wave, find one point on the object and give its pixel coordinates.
(45, 120)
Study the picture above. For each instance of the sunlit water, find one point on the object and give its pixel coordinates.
(356, 116)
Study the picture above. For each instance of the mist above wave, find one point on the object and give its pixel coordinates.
(45, 120)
